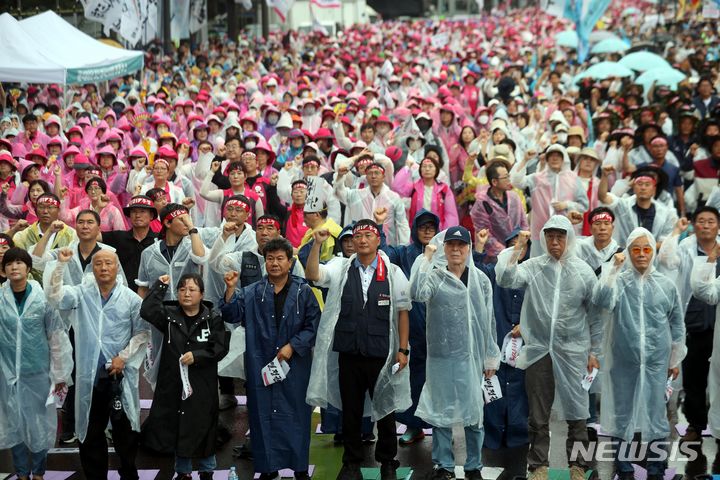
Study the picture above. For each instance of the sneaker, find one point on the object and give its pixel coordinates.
(411, 435)
(227, 401)
(540, 473)
(270, 476)
(206, 475)
(473, 475)
(350, 471)
(577, 473)
(68, 437)
(302, 476)
(388, 470)
(441, 474)
(368, 437)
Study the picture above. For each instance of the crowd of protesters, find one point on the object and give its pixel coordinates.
(381, 224)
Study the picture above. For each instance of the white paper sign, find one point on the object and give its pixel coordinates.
(185, 378)
(275, 371)
(56, 398)
(588, 379)
(395, 368)
(511, 349)
(491, 389)
(440, 40)
(668, 389)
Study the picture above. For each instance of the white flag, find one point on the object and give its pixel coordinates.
(281, 7)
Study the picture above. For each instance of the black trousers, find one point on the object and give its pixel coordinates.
(695, 368)
(68, 409)
(227, 385)
(94, 450)
(359, 374)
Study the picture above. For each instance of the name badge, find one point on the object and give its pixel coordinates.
(383, 300)
(179, 264)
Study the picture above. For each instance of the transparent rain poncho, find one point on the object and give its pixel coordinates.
(111, 329)
(554, 319)
(644, 338)
(707, 288)
(461, 339)
(392, 392)
(35, 355)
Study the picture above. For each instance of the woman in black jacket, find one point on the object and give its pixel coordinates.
(184, 414)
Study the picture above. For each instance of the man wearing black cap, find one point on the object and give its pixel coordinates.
(363, 336)
(129, 244)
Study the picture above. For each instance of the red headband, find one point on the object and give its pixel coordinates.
(174, 214)
(162, 160)
(269, 221)
(238, 203)
(300, 185)
(645, 178)
(48, 200)
(93, 183)
(375, 165)
(311, 161)
(601, 217)
(366, 228)
(4, 241)
(658, 141)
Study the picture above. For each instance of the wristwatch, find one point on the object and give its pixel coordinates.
(192, 230)
(404, 351)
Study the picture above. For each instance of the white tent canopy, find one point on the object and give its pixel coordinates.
(21, 59)
(86, 60)
(47, 49)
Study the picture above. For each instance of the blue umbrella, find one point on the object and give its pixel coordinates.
(610, 45)
(568, 38)
(603, 70)
(668, 77)
(643, 61)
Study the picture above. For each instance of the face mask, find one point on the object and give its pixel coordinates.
(562, 137)
(272, 119)
(309, 111)
(483, 119)
(249, 145)
(151, 108)
(305, 94)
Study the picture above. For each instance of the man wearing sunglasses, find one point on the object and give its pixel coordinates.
(644, 345)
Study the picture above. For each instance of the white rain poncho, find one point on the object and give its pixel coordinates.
(644, 338)
(153, 265)
(707, 288)
(392, 392)
(110, 330)
(212, 237)
(675, 260)
(35, 355)
(626, 219)
(461, 339)
(554, 317)
(73, 271)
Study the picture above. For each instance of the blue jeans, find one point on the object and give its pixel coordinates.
(185, 464)
(625, 456)
(442, 450)
(27, 462)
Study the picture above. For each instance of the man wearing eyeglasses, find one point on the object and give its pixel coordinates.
(498, 208)
(644, 345)
(676, 259)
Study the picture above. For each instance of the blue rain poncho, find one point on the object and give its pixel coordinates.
(554, 318)
(644, 338)
(35, 355)
(113, 329)
(461, 339)
(392, 392)
(707, 288)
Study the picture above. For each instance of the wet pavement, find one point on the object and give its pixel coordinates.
(326, 457)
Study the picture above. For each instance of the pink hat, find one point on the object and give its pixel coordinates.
(393, 153)
(6, 157)
(106, 150)
(165, 152)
